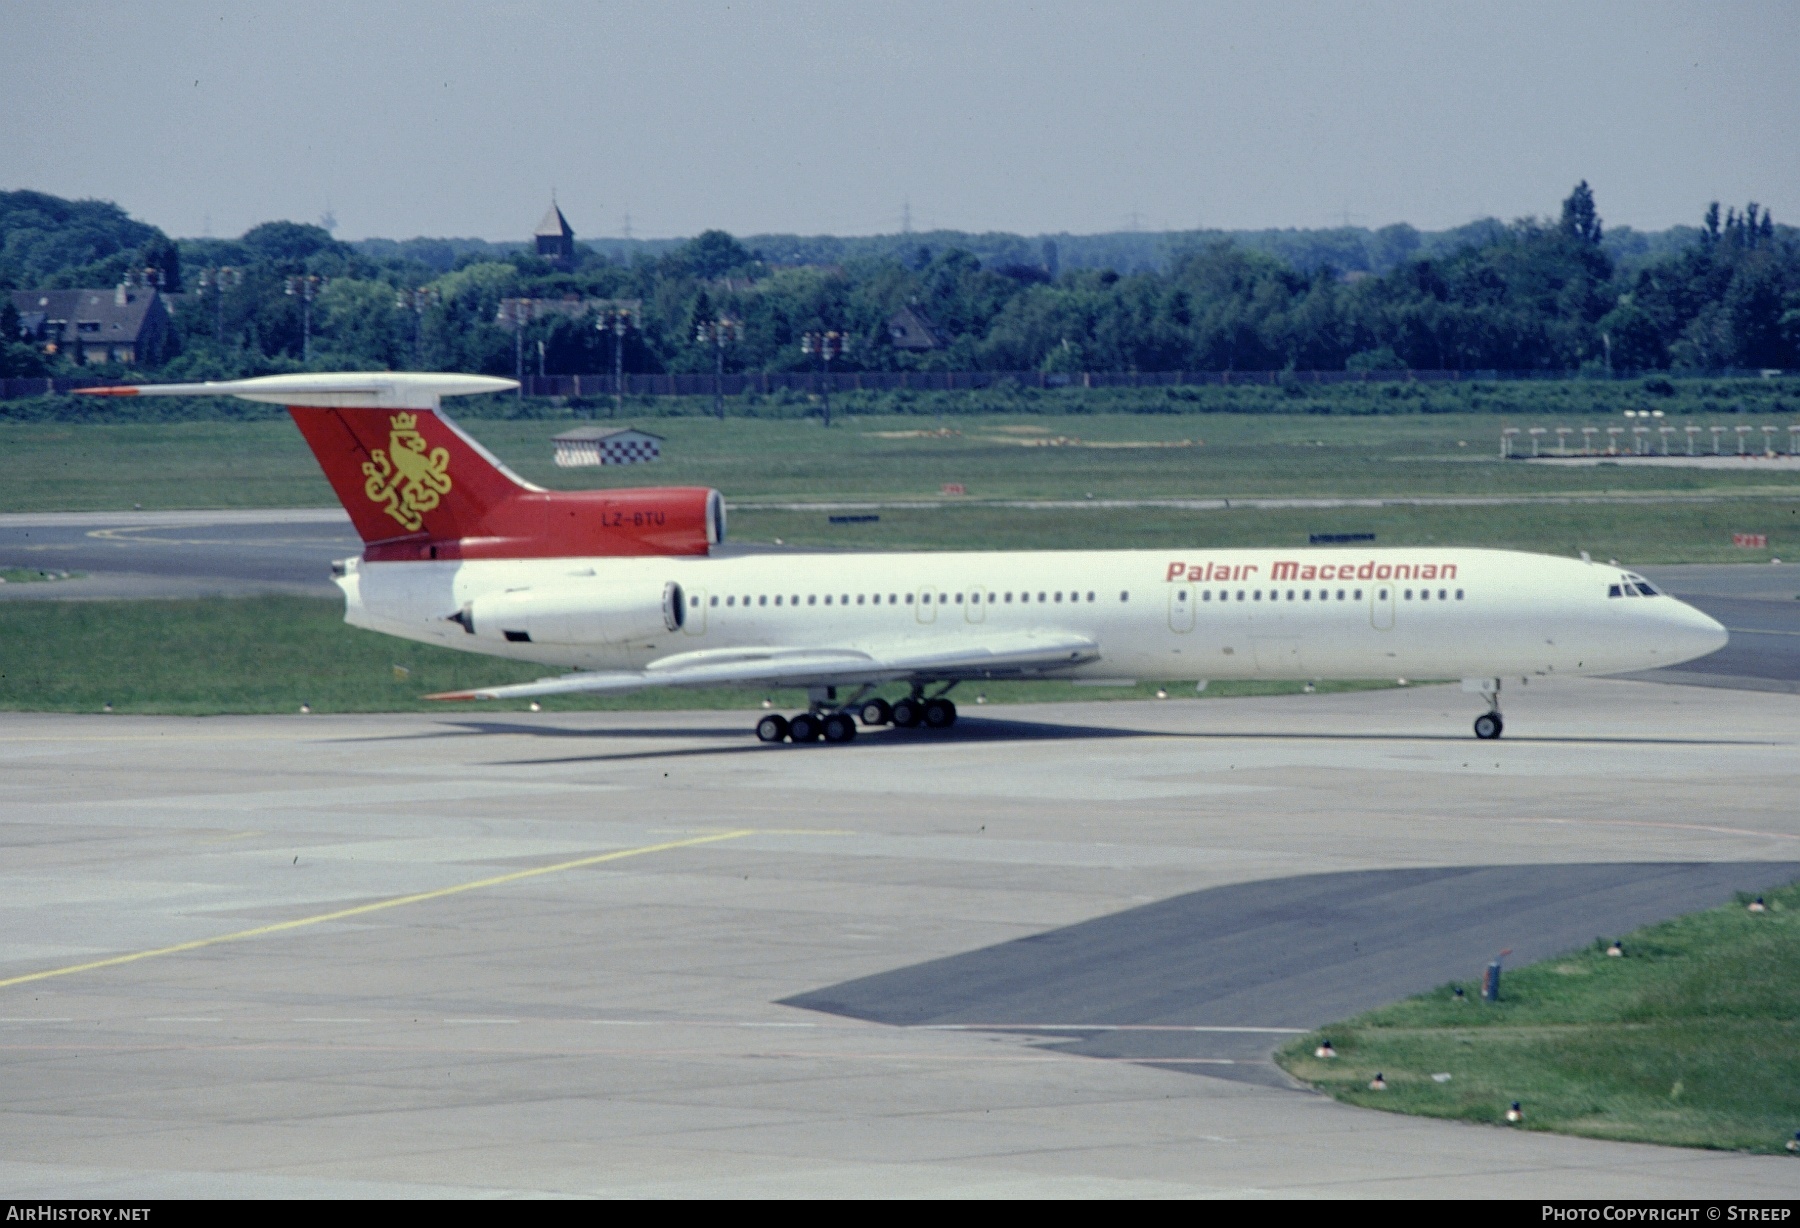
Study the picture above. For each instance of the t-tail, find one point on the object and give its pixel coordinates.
(418, 488)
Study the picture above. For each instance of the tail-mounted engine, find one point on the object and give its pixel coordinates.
(576, 614)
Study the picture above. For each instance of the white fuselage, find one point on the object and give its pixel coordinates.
(1159, 614)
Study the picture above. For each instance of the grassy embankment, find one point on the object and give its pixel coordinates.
(1689, 1039)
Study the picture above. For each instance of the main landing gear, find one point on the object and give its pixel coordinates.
(1488, 725)
(820, 722)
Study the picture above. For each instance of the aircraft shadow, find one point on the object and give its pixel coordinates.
(972, 731)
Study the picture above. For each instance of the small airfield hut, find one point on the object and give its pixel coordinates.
(603, 445)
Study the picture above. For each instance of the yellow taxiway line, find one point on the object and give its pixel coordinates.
(361, 909)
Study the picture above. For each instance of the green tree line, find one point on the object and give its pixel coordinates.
(1547, 294)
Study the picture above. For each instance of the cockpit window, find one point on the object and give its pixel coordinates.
(1645, 589)
(1614, 590)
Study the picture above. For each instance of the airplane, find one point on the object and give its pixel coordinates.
(627, 589)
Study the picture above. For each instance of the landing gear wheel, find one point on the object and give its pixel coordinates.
(876, 712)
(805, 728)
(1488, 726)
(840, 727)
(908, 713)
(939, 714)
(772, 728)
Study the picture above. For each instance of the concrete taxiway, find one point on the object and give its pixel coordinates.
(491, 952)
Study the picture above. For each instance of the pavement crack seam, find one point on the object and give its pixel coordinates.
(377, 906)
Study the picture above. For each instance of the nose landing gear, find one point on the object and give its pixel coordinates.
(1488, 725)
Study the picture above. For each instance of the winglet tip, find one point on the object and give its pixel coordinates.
(115, 390)
(454, 696)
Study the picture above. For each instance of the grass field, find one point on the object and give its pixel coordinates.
(1670, 515)
(1689, 1039)
(272, 654)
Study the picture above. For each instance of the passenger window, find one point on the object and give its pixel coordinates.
(1459, 593)
(812, 600)
(1290, 594)
(1356, 596)
(1424, 594)
(1009, 599)
(777, 600)
(1240, 594)
(959, 599)
(1181, 596)
(731, 601)
(909, 599)
(1125, 596)
(1206, 595)
(1090, 597)
(1441, 596)
(1256, 596)
(1340, 594)
(1059, 598)
(794, 600)
(860, 598)
(1409, 594)
(1306, 594)
(762, 601)
(714, 601)
(827, 599)
(1041, 599)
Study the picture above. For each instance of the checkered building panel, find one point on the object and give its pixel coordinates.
(624, 450)
(628, 451)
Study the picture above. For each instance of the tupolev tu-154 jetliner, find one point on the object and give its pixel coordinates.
(624, 588)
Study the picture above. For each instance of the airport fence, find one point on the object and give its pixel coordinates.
(765, 383)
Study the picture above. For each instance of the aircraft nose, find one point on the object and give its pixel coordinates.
(1697, 632)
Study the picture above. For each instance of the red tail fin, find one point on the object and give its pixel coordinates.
(402, 473)
(417, 487)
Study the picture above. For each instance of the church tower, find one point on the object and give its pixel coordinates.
(556, 239)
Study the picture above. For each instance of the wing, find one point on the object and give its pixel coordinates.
(1020, 655)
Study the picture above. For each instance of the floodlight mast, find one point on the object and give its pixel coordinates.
(827, 345)
(305, 288)
(719, 333)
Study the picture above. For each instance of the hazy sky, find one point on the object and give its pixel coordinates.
(415, 117)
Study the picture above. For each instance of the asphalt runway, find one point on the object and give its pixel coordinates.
(1212, 982)
(177, 554)
(484, 953)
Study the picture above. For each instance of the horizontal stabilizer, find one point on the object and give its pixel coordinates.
(328, 390)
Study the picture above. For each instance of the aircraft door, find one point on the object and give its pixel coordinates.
(1181, 608)
(1381, 606)
(695, 622)
(925, 604)
(975, 605)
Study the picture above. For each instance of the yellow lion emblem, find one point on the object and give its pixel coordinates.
(410, 480)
